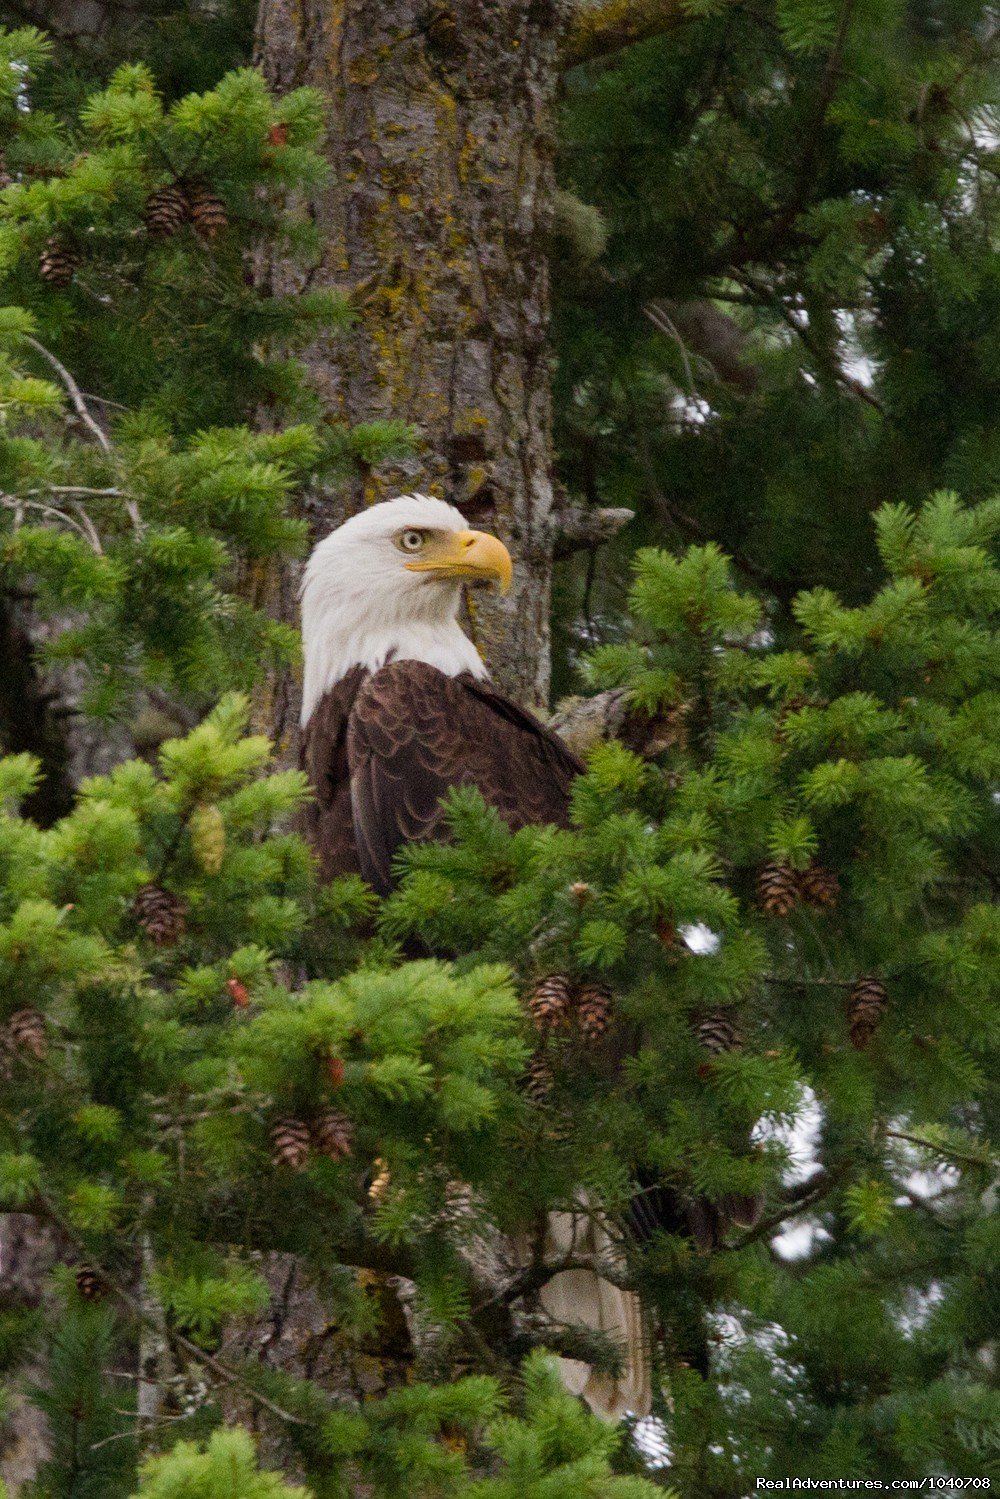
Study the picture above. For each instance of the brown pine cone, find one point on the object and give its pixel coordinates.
(538, 1081)
(866, 1004)
(238, 993)
(819, 887)
(26, 1033)
(333, 1134)
(290, 1143)
(89, 1284)
(208, 212)
(594, 1005)
(161, 914)
(718, 1031)
(166, 210)
(777, 889)
(57, 264)
(549, 1002)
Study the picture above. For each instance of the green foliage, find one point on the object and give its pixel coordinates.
(864, 743)
(857, 744)
(811, 175)
(225, 1469)
(795, 317)
(556, 1448)
(88, 1412)
(416, 1442)
(147, 529)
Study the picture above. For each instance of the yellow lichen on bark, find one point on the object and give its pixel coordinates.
(611, 24)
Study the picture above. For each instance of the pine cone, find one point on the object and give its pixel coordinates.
(26, 1032)
(538, 1081)
(238, 993)
(208, 212)
(594, 1004)
(819, 887)
(161, 914)
(719, 1031)
(777, 889)
(89, 1284)
(333, 1134)
(290, 1144)
(549, 1002)
(57, 264)
(208, 837)
(166, 210)
(866, 1004)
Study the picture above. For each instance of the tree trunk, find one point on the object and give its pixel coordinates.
(28, 1250)
(436, 219)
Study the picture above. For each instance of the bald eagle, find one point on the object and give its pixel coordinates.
(396, 708)
(396, 704)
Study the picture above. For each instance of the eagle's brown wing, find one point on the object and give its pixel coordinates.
(323, 757)
(414, 732)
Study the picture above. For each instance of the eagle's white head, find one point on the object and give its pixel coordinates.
(386, 585)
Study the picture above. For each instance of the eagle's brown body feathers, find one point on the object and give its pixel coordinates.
(381, 749)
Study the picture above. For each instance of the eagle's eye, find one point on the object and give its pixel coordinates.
(411, 541)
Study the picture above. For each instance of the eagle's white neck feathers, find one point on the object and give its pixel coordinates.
(361, 607)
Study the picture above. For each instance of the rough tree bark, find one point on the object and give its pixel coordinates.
(436, 220)
(28, 1251)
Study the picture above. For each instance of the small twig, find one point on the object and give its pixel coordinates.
(17, 503)
(82, 411)
(130, 1436)
(177, 1121)
(987, 1164)
(88, 526)
(79, 404)
(222, 1371)
(812, 1192)
(804, 983)
(663, 324)
(114, 494)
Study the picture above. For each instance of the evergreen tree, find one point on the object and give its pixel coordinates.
(789, 313)
(145, 530)
(263, 1073)
(776, 900)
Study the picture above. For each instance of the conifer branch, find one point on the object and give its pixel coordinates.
(578, 527)
(937, 1147)
(83, 412)
(75, 395)
(799, 1199)
(84, 526)
(681, 520)
(222, 1371)
(598, 30)
(799, 982)
(773, 300)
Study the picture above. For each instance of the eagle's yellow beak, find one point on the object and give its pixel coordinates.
(467, 554)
